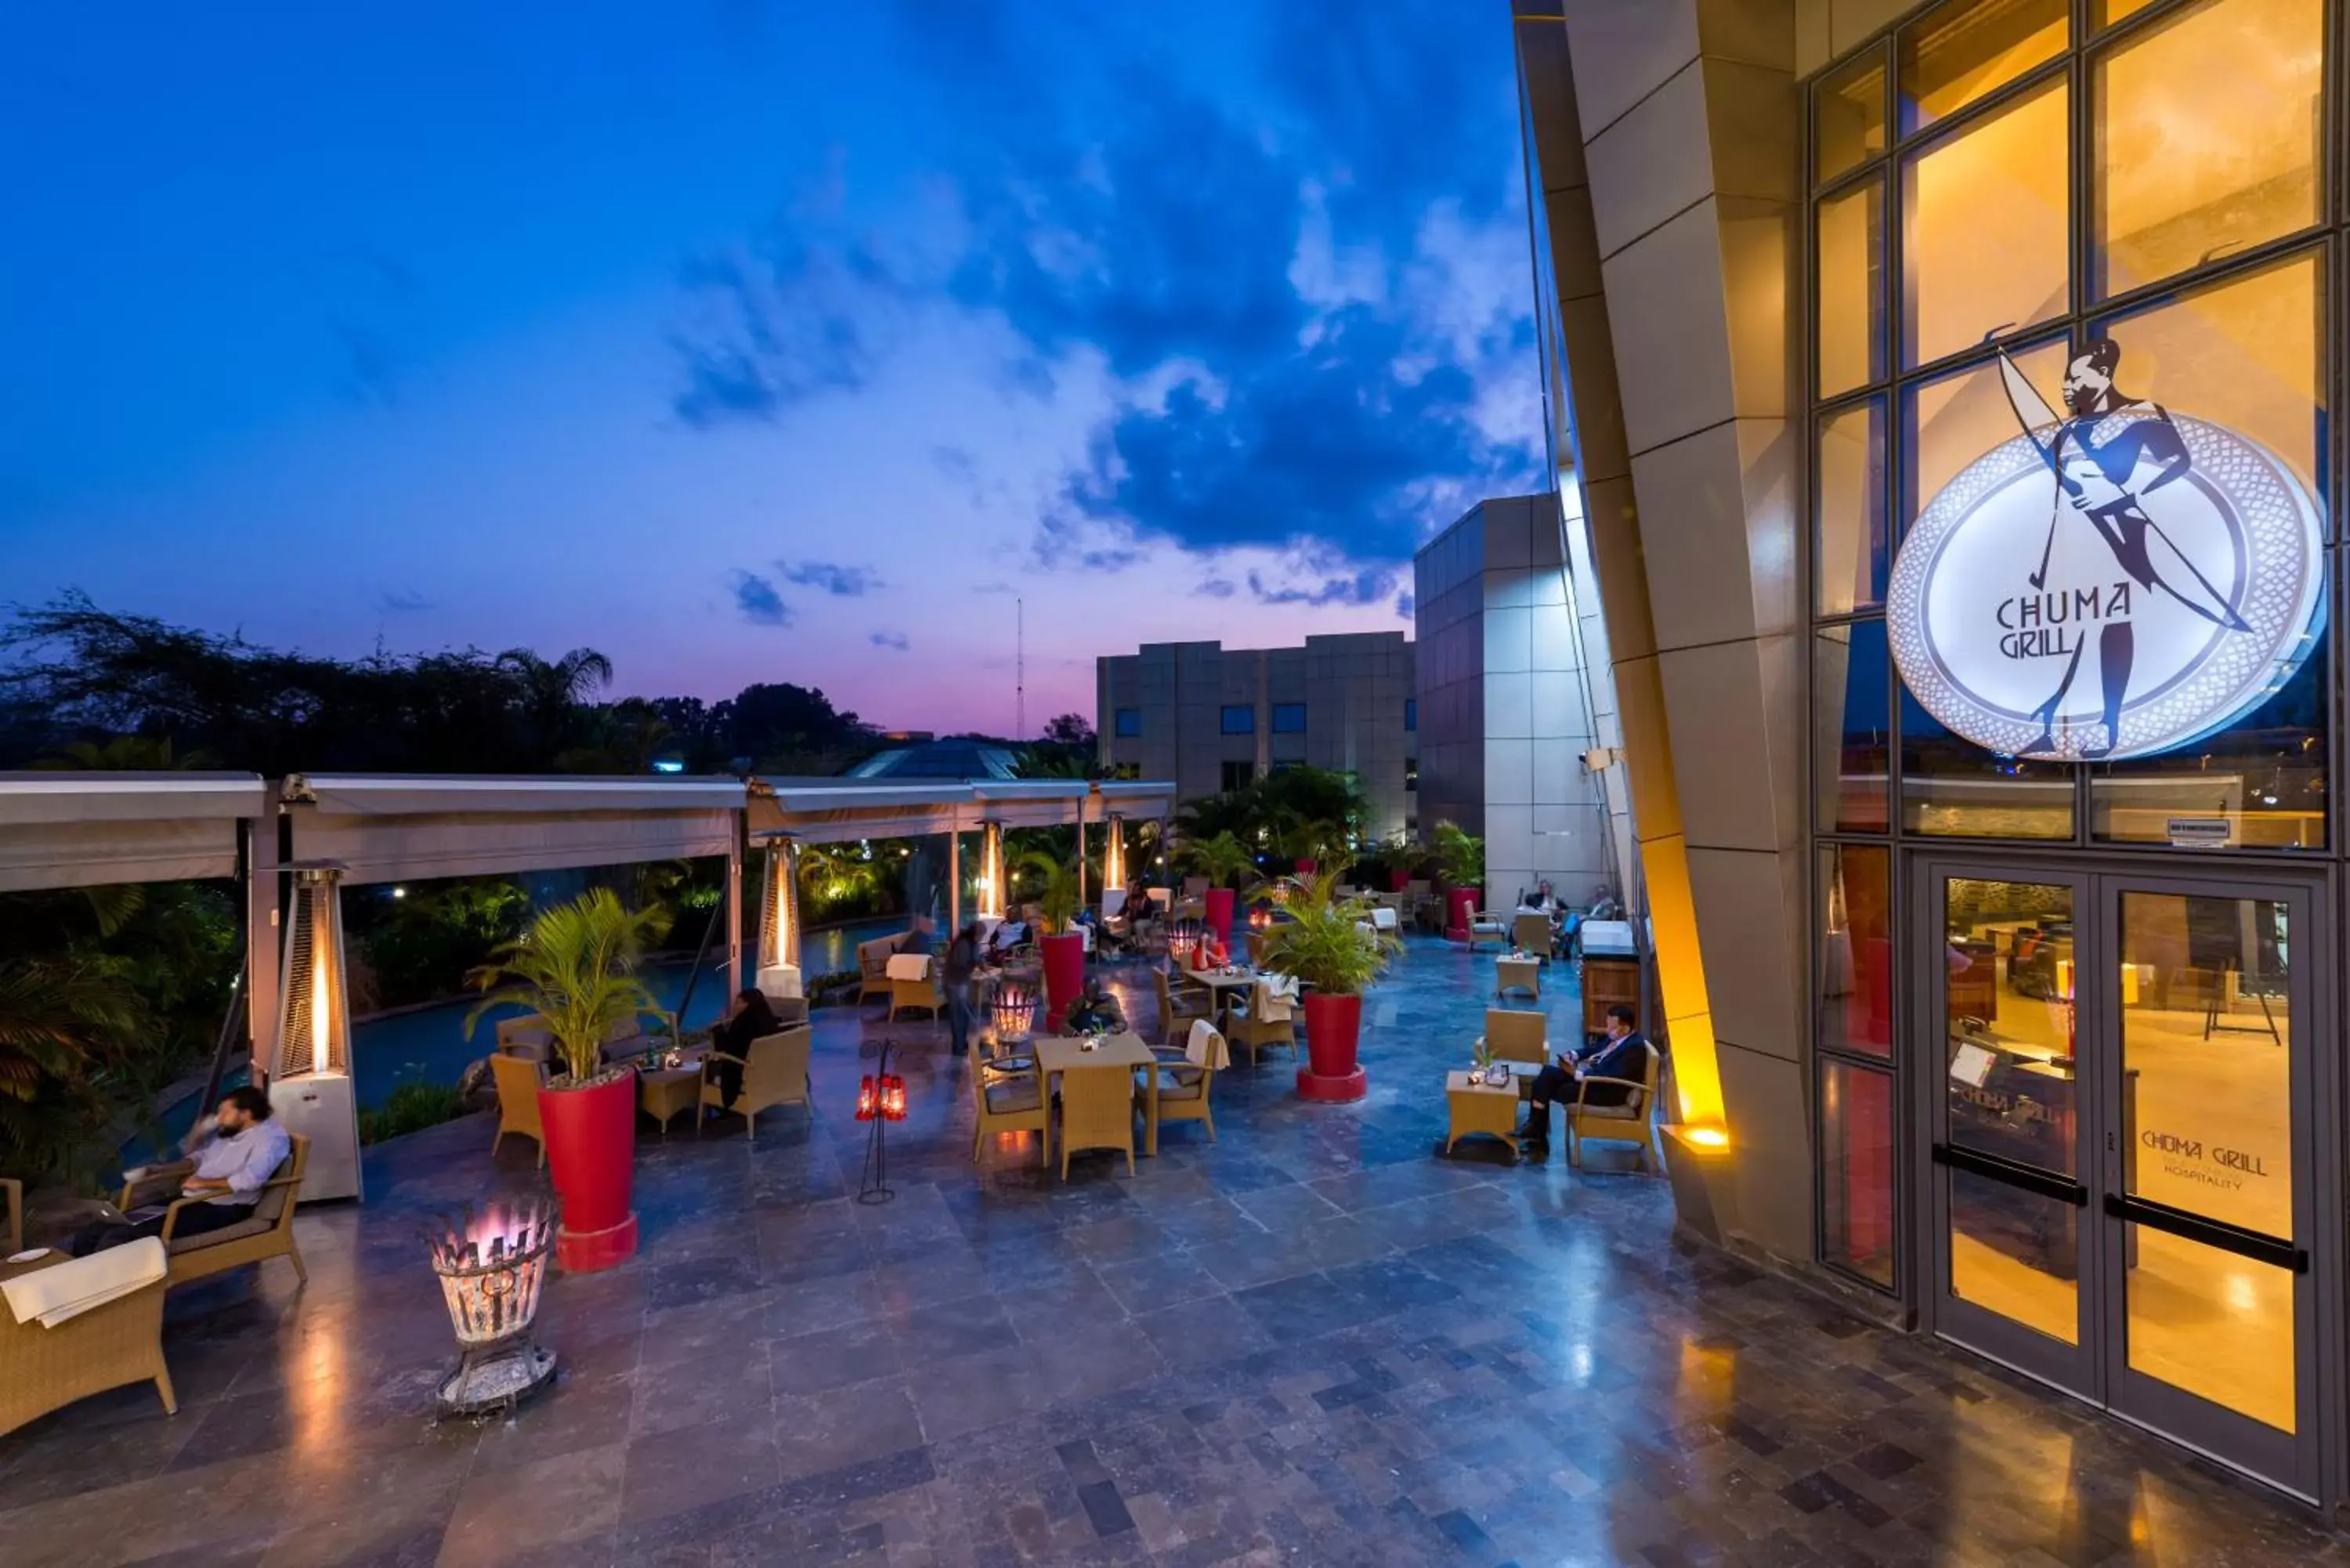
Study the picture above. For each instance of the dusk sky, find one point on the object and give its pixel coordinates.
(750, 341)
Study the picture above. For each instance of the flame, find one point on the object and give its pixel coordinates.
(322, 1023)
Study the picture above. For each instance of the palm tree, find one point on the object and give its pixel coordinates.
(575, 968)
(55, 1016)
(1223, 860)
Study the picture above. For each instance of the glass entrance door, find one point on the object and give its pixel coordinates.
(2122, 1144)
(2010, 1127)
(2207, 1202)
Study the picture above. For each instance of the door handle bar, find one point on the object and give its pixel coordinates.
(2256, 1245)
(2014, 1173)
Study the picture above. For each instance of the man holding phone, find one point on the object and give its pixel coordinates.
(1618, 1055)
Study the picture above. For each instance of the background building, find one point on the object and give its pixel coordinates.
(1504, 719)
(2039, 1053)
(1213, 718)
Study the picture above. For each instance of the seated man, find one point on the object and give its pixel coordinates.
(246, 1149)
(1007, 935)
(1095, 1013)
(1617, 1056)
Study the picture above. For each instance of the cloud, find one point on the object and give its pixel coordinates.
(1367, 587)
(955, 462)
(1407, 605)
(756, 600)
(370, 371)
(773, 326)
(890, 639)
(402, 601)
(1215, 588)
(840, 582)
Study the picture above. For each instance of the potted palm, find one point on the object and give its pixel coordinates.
(1330, 947)
(575, 968)
(1394, 857)
(1064, 951)
(1461, 857)
(1225, 862)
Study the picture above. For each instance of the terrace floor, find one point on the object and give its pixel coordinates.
(1314, 1341)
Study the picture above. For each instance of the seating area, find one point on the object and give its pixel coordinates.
(1295, 1333)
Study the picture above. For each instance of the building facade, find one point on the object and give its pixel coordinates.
(1213, 718)
(1940, 393)
(1505, 723)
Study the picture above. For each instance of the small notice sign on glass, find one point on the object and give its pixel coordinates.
(2200, 832)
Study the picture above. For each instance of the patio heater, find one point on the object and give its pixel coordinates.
(493, 1264)
(1113, 852)
(991, 871)
(779, 921)
(310, 1088)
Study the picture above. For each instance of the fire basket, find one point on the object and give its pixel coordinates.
(1013, 1013)
(492, 1262)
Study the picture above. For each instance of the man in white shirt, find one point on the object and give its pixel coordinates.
(246, 1149)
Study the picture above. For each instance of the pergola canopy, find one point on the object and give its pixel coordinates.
(414, 827)
(836, 811)
(94, 829)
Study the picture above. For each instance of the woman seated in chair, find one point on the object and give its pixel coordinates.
(751, 1017)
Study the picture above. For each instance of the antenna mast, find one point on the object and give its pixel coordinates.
(1019, 667)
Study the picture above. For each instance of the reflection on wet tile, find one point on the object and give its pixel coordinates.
(1310, 1342)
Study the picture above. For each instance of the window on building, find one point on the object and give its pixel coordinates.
(1412, 713)
(1238, 718)
(1128, 722)
(1289, 718)
(1239, 775)
(1411, 774)
(1857, 1170)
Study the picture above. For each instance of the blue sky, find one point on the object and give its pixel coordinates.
(754, 340)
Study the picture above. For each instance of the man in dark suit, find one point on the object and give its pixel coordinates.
(1619, 1055)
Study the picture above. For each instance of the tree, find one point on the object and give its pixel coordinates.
(1069, 730)
(575, 968)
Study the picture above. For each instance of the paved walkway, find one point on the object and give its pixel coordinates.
(1311, 1343)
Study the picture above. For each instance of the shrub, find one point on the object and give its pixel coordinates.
(412, 1107)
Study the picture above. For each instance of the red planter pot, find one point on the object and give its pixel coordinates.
(1064, 975)
(1307, 867)
(591, 1153)
(1220, 915)
(1459, 902)
(1333, 1028)
(1398, 881)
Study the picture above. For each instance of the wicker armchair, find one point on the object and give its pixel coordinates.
(1096, 1112)
(1530, 932)
(1519, 1038)
(45, 1369)
(921, 991)
(1486, 928)
(774, 1072)
(13, 1191)
(1182, 1093)
(517, 1078)
(1627, 1123)
(1179, 1007)
(873, 965)
(1011, 1102)
(1252, 1028)
(268, 1233)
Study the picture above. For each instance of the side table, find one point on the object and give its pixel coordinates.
(1487, 1108)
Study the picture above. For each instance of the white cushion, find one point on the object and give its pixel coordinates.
(910, 966)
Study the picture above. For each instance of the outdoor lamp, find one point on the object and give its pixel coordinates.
(779, 923)
(1114, 852)
(493, 1264)
(893, 1097)
(868, 1097)
(310, 1088)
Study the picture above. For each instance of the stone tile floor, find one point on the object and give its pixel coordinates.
(1313, 1341)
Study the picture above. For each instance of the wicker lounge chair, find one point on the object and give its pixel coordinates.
(1515, 1035)
(268, 1233)
(1627, 1123)
(774, 1072)
(45, 1369)
(1255, 1025)
(517, 1078)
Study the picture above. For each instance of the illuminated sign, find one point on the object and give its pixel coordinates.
(2114, 583)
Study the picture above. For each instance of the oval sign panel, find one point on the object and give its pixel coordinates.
(2115, 583)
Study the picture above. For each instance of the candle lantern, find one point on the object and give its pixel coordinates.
(893, 1097)
(881, 1100)
(492, 1264)
(868, 1097)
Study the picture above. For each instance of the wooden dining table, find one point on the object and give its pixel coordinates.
(1222, 985)
(1059, 1053)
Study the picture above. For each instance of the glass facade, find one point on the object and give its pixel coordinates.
(2022, 178)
